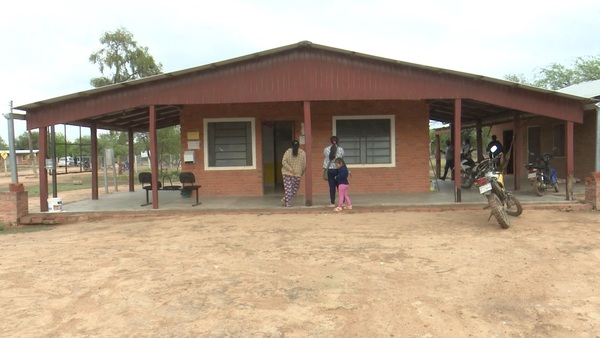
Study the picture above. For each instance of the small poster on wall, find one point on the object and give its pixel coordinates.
(193, 145)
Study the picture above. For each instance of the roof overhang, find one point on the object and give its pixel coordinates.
(125, 106)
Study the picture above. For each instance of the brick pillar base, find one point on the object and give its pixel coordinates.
(14, 204)
(592, 190)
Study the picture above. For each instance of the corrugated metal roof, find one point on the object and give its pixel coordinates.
(590, 89)
(302, 44)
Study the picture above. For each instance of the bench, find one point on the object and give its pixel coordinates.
(188, 183)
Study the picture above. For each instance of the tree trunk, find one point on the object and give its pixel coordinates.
(31, 157)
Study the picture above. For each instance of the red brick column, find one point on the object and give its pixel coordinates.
(592, 190)
(13, 204)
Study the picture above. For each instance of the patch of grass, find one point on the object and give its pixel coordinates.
(65, 182)
(18, 230)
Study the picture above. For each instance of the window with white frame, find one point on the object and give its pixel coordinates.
(367, 140)
(559, 140)
(229, 144)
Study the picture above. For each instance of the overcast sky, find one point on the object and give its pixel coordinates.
(46, 44)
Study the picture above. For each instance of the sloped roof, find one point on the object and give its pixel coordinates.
(589, 89)
(154, 78)
(299, 72)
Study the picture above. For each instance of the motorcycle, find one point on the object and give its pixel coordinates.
(541, 175)
(501, 202)
(469, 170)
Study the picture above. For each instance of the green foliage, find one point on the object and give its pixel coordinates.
(121, 59)
(519, 78)
(115, 140)
(3, 144)
(169, 145)
(22, 141)
(556, 76)
(64, 147)
(588, 69)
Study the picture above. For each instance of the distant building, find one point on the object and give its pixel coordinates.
(22, 156)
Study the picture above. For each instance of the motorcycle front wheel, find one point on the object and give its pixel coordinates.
(538, 186)
(498, 211)
(513, 205)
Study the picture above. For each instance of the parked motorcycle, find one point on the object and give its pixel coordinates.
(469, 170)
(541, 175)
(501, 202)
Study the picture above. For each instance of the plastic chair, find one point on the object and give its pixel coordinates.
(188, 182)
(146, 181)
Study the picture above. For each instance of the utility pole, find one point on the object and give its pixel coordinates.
(11, 145)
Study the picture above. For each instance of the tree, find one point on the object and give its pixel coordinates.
(115, 140)
(556, 76)
(169, 143)
(22, 141)
(121, 59)
(3, 144)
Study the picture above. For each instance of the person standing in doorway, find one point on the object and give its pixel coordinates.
(293, 166)
(449, 160)
(330, 153)
(343, 185)
(499, 147)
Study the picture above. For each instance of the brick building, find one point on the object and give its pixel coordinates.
(23, 156)
(238, 116)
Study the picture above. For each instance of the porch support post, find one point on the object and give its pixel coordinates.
(153, 156)
(308, 183)
(597, 167)
(457, 149)
(479, 141)
(438, 156)
(42, 156)
(569, 149)
(131, 160)
(516, 151)
(53, 157)
(94, 160)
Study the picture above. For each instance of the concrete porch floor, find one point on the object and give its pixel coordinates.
(440, 199)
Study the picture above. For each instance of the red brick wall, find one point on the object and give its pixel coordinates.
(13, 206)
(592, 190)
(411, 173)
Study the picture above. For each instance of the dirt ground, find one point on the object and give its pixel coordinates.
(321, 274)
(353, 274)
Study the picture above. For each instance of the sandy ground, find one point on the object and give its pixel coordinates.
(385, 274)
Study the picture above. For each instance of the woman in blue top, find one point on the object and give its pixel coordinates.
(330, 153)
(343, 185)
